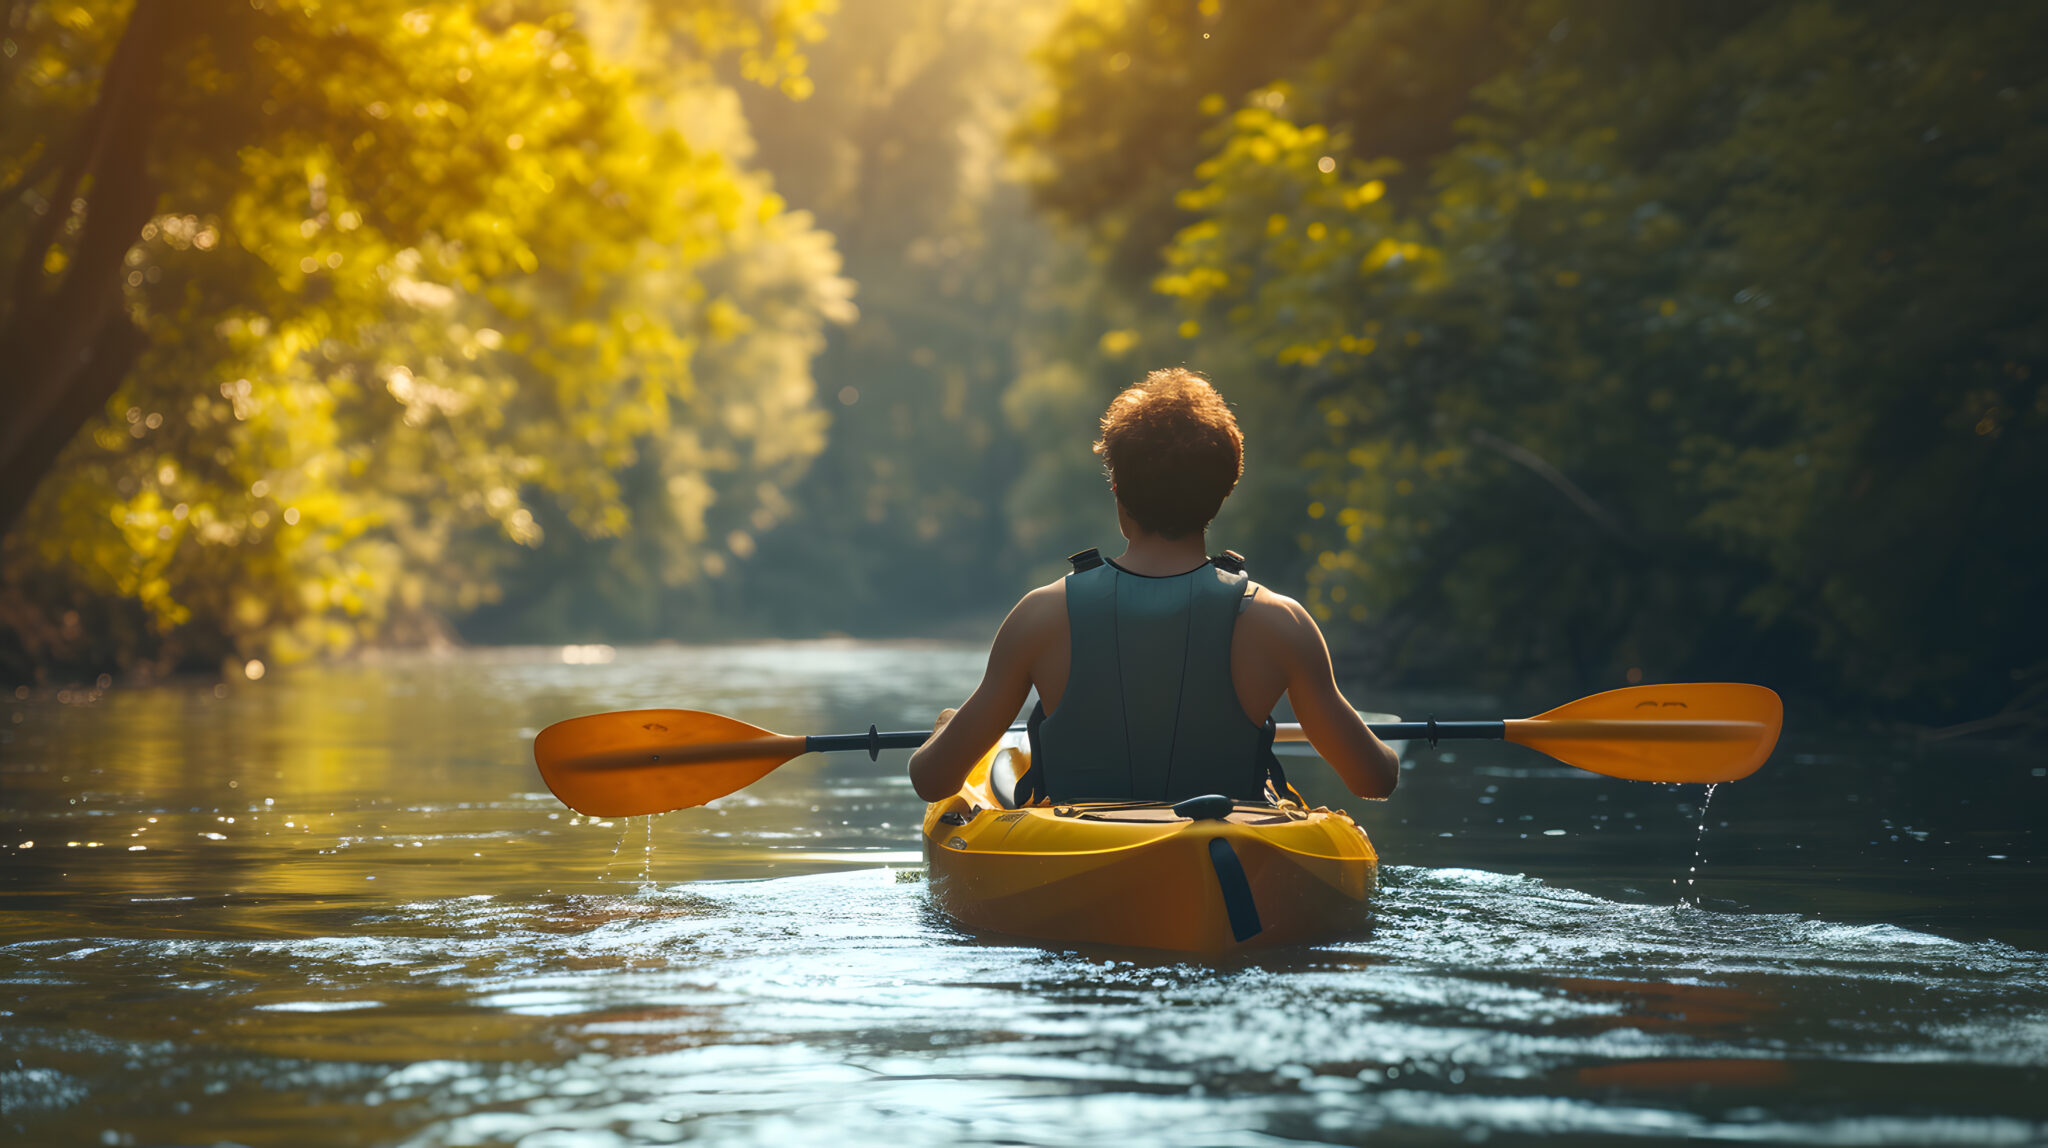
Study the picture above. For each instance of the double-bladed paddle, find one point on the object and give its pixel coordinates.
(634, 762)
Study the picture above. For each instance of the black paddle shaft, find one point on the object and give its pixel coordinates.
(873, 741)
(1432, 731)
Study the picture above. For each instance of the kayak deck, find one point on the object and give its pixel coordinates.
(1137, 874)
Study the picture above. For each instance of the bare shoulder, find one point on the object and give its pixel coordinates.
(1047, 602)
(1037, 616)
(1273, 617)
(1271, 608)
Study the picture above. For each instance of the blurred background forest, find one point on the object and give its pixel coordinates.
(1577, 342)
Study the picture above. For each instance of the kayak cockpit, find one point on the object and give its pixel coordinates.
(1215, 875)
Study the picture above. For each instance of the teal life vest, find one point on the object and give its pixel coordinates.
(1150, 712)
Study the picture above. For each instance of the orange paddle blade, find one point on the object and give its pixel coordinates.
(1697, 732)
(651, 761)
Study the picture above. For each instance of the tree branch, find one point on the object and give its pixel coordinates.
(42, 166)
(113, 352)
(67, 348)
(1556, 478)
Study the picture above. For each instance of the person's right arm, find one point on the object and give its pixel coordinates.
(1369, 767)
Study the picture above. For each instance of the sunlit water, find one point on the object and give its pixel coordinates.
(336, 907)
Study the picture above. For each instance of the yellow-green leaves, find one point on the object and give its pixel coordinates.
(1336, 244)
(427, 278)
(1682, 343)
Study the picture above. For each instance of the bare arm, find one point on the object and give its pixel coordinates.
(961, 736)
(1369, 767)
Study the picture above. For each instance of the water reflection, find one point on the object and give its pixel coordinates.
(396, 940)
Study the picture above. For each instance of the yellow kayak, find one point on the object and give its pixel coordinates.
(1204, 876)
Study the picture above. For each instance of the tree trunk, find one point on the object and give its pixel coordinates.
(68, 342)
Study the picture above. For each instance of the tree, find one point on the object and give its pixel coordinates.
(1683, 339)
(901, 524)
(375, 282)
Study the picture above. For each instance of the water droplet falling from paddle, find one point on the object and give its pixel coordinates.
(647, 857)
(625, 826)
(1699, 842)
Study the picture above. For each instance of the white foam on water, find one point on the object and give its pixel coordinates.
(842, 1004)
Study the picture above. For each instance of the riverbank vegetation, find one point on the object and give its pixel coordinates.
(322, 318)
(1576, 340)
(1674, 339)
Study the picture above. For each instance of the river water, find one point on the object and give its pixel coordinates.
(337, 907)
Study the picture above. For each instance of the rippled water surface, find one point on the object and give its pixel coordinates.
(337, 907)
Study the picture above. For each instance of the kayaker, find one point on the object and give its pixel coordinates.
(1157, 671)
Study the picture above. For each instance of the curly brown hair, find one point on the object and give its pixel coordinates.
(1172, 450)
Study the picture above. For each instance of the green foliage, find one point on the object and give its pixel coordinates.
(1138, 91)
(1685, 338)
(901, 524)
(421, 278)
(1571, 337)
(1139, 85)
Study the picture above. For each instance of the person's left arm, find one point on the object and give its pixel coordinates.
(961, 736)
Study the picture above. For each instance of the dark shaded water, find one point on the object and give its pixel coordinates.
(336, 908)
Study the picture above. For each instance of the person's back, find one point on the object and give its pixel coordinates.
(1157, 671)
(1150, 712)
